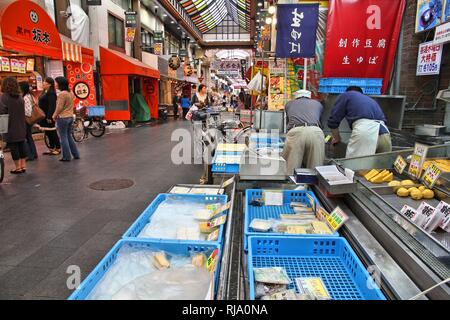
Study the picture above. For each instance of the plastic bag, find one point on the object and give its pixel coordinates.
(189, 114)
(263, 289)
(255, 83)
(261, 225)
(275, 275)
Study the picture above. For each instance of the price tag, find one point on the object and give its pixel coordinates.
(445, 209)
(418, 159)
(400, 164)
(327, 139)
(218, 221)
(408, 212)
(228, 182)
(336, 219)
(312, 202)
(423, 213)
(273, 198)
(213, 236)
(431, 175)
(211, 262)
(322, 214)
(221, 209)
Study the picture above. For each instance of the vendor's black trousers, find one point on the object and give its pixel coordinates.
(53, 139)
(31, 147)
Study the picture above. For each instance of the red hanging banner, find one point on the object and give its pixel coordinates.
(362, 38)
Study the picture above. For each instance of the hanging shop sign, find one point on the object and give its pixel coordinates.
(130, 33)
(157, 49)
(174, 63)
(55, 69)
(183, 53)
(296, 31)
(5, 64)
(130, 19)
(81, 81)
(362, 38)
(429, 59)
(442, 34)
(228, 67)
(277, 85)
(158, 37)
(14, 65)
(430, 13)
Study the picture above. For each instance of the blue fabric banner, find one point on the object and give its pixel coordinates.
(296, 30)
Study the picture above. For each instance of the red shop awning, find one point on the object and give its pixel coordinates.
(116, 63)
(74, 52)
(27, 28)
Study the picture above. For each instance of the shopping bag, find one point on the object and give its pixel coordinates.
(36, 115)
(255, 83)
(189, 114)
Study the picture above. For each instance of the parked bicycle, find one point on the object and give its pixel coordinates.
(89, 120)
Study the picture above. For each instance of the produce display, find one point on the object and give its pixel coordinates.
(376, 176)
(443, 164)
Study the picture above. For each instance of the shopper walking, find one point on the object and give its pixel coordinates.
(185, 105)
(11, 103)
(241, 100)
(47, 102)
(201, 98)
(63, 117)
(175, 102)
(29, 104)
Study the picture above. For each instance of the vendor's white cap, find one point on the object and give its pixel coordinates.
(302, 94)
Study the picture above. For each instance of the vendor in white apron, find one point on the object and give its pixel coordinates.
(305, 141)
(370, 134)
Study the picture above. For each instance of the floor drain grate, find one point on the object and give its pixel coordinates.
(111, 184)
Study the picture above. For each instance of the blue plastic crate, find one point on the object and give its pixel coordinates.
(145, 217)
(229, 168)
(267, 142)
(97, 111)
(331, 259)
(171, 247)
(272, 212)
(342, 89)
(362, 82)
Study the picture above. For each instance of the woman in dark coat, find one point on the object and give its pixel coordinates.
(47, 102)
(11, 103)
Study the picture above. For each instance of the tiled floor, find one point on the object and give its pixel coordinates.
(50, 218)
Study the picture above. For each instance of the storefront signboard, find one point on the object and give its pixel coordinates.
(81, 81)
(5, 64)
(22, 66)
(442, 34)
(15, 65)
(430, 13)
(296, 30)
(362, 38)
(277, 85)
(130, 34)
(429, 59)
(130, 19)
(157, 49)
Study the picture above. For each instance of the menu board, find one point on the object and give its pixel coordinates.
(15, 65)
(5, 66)
(22, 66)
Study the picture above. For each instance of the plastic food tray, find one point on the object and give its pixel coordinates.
(331, 259)
(171, 247)
(230, 147)
(273, 212)
(219, 166)
(145, 217)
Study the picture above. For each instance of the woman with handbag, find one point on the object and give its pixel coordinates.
(63, 117)
(47, 102)
(30, 104)
(11, 103)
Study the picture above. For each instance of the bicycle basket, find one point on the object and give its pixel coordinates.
(4, 123)
(97, 111)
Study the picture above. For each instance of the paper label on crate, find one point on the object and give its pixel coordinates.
(437, 217)
(221, 209)
(211, 261)
(273, 198)
(312, 202)
(336, 219)
(322, 214)
(228, 182)
(213, 236)
(218, 221)
(408, 212)
(431, 175)
(445, 209)
(423, 213)
(400, 164)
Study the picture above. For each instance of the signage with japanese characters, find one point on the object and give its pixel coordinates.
(277, 85)
(5, 64)
(442, 34)
(417, 160)
(400, 164)
(130, 19)
(15, 65)
(361, 38)
(296, 30)
(81, 82)
(429, 59)
(230, 68)
(431, 175)
(430, 13)
(130, 34)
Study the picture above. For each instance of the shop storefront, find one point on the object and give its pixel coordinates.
(123, 79)
(29, 44)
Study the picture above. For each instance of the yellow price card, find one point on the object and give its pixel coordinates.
(431, 175)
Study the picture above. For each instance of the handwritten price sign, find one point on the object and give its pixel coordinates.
(400, 164)
(431, 175)
(336, 219)
(415, 166)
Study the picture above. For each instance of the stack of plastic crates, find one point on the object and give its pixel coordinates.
(226, 162)
(95, 112)
(132, 239)
(371, 86)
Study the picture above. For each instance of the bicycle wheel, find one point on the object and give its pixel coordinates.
(47, 140)
(2, 167)
(98, 129)
(78, 130)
